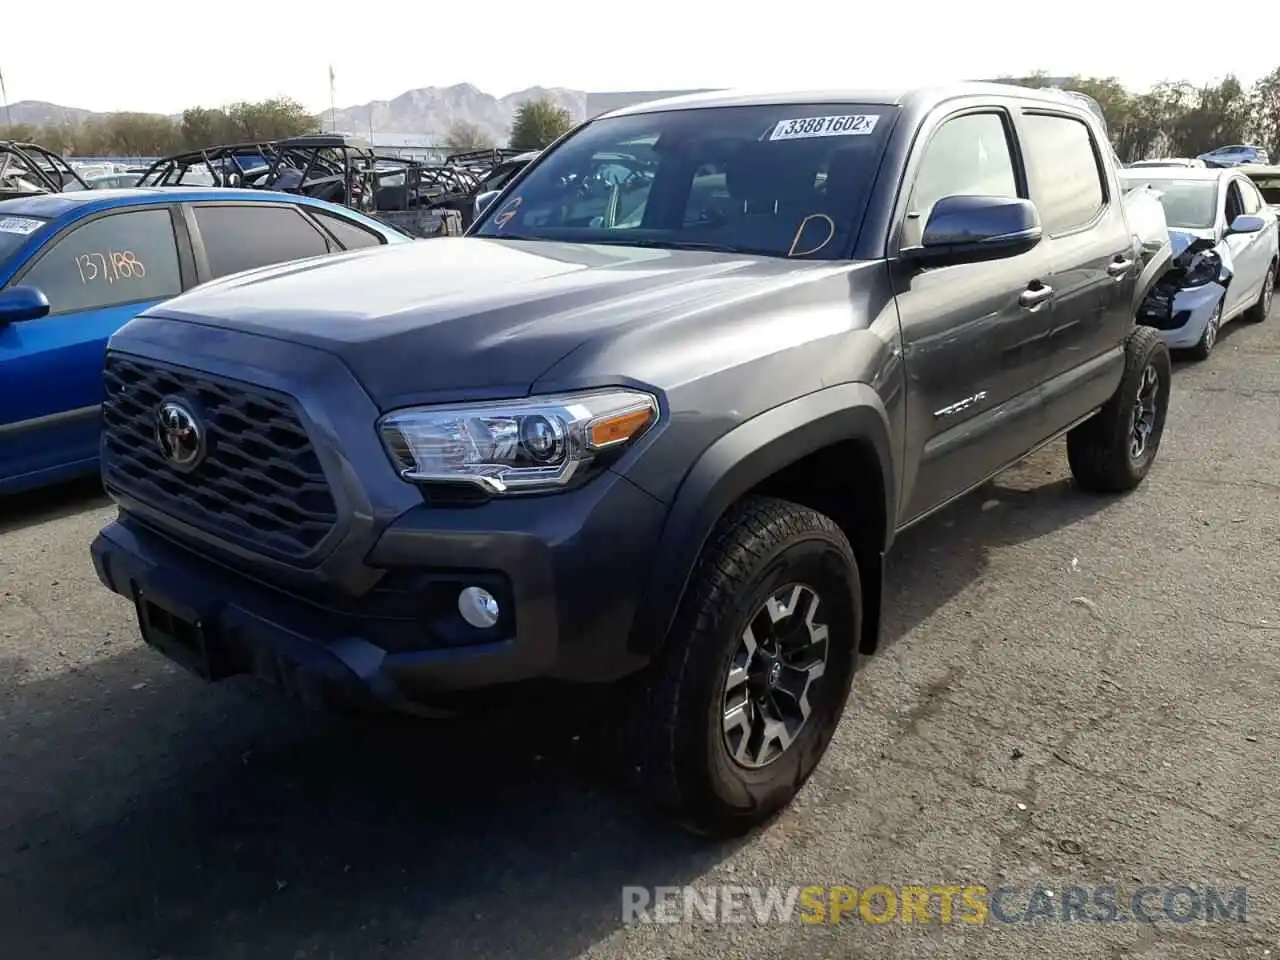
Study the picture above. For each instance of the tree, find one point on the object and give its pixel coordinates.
(202, 127)
(1219, 114)
(1264, 104)
(464, 136)
(21, 132)
(537, 123)
(138, 135)
(271, 120)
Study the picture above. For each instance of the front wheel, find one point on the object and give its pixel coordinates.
(1202, 349)
(1113, 450)
(742, 702)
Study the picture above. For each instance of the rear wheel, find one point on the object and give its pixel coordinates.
(740, 706)
(1258, 312)
(1113, 451)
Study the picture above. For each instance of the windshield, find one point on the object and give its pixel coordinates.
(1269, 187)
(787, 180)
(14, 232)
(1188, 204)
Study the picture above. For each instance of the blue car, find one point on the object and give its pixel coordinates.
(75, 267)
(1234, 155)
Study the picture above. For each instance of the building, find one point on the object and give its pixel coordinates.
(425, 148)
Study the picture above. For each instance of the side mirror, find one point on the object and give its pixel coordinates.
(1246, 223)
(963, 229)
(483, 200)
(22, 303)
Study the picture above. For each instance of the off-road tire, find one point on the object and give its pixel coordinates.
(1098, 450)
(674, 741)
(1209, 339)
(1258, 312)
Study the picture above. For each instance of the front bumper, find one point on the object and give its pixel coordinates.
(1183, 319)
(563, 568)
(367, 610)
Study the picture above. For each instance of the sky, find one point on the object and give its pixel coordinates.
(193, 55)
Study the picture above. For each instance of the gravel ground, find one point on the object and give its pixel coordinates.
(1072, 691)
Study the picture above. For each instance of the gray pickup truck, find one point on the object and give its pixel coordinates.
(653, 423)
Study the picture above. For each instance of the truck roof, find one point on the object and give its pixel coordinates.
(920, 97)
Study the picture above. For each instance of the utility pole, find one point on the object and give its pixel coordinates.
(4, 98)
(333, 110)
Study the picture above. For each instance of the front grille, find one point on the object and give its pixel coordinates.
(260, 484)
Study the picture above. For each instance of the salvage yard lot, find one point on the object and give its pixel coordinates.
(1122, 706)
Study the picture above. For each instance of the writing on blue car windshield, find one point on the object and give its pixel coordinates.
(787, 180)
(14, 232)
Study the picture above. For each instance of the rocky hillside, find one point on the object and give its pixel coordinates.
(429, 110)
(433, 110)
(37, 113)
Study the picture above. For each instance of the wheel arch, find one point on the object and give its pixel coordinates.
(829, 449)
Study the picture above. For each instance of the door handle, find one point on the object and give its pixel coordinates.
(1119, 268)
(1035, 294)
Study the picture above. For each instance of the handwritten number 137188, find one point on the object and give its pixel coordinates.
(110, 266)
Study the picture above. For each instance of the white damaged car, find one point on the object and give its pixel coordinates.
(1226, 248)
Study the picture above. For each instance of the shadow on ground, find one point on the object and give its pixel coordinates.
(940, 557)
(144, 815)
(50, 503)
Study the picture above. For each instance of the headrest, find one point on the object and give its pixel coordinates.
(846, 171)
(770, 171)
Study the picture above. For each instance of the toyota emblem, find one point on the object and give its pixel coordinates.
(178, 432)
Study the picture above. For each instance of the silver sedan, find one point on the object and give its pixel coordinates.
(1226, 247)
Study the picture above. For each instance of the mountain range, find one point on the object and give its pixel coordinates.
(425, 111)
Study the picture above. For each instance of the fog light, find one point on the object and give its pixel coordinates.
(478, 607)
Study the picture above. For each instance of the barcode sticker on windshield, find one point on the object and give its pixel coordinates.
(856, 125)
(21, 225)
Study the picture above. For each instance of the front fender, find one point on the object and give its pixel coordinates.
(1156, 267)
(739, 461)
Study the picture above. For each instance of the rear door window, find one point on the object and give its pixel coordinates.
(121, 258)
(1062, 165)
(350, 235)
(245, 236)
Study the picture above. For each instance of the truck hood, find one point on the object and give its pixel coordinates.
(435, 320)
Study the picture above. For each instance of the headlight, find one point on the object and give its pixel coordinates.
(514, 446)
(1204, 266)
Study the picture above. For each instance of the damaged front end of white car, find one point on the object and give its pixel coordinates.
(1186, 303)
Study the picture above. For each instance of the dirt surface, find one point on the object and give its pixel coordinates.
(1072, 691)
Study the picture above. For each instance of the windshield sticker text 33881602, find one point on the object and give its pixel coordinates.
(802, 128)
